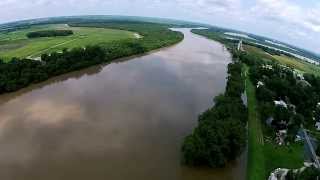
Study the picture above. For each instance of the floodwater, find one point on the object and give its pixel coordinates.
(125, 120)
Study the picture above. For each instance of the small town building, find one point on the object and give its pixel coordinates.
(269, 67)
(317, 125)
(259, 84)
(281, 136)
(281, 103)
(298, 75)
(269, 121)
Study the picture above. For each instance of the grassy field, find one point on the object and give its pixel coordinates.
(256, 160)
(298, 64)
(264, 157)
(259, 53)
(285, 60)
(290, 157)
(16, 44)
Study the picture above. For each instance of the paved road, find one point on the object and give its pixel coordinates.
(311, 148)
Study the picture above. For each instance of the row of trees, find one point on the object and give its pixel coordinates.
(310, 173)
(221, 134)
(282, 83)
(19, 73)
(49, 33)
(154, 35)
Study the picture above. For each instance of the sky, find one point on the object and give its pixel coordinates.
(296, 22)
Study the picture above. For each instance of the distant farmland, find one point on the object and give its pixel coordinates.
(17, 44)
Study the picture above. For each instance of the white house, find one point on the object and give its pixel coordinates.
(281, 103)
(298, 75)
(267, 67)
(259, 84)
(317, 126)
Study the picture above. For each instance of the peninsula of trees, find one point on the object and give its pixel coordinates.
(283, 95)
(221, 134)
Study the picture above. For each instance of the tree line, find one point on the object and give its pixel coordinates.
(221, 134)
(302, 94)
(49, 33)
(19, 73)
(154, 35)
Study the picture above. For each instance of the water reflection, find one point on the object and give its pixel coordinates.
(121, 121)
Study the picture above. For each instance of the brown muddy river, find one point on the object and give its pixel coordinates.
(121, 121)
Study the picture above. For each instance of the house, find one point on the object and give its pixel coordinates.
(281, 136)
(281, 103)
(269, 67)
(298, 138)
(298, 75)
(317, 125)
(269, 121)
(259, 84)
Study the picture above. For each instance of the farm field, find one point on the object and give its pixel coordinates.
(291, 62)
(16, 44)
(298, 64)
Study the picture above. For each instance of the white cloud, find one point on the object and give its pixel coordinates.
(288, 13)
(282, 19)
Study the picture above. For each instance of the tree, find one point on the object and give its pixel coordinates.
(49, 33)
(221, 134)
(309, 174)
(265, 95)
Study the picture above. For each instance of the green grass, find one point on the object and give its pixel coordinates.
(290, 157)
(256, 160)
(292, 62)
(264, 157)
(298, 64)
(16, 44)
(257, 52)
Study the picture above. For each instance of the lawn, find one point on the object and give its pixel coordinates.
(264, 157)
(298, 64)
(256, 160)
(259, 53)
(16, 44)
(290, 157)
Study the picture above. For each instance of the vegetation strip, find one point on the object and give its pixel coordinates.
(281, 98)
(16, 44)
(220, 136)
(49, 33)
(19, 73)
(256, 159)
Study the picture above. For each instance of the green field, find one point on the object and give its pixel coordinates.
(264, 157)
(290, 157)
(256, 160)
(16, 44)
(294, 63)
(298, 64)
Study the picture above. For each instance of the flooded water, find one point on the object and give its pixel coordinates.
(125, 120)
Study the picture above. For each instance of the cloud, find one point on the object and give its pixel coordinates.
(285, 20)
(289, 13)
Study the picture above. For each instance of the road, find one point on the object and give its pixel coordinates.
(311, 148)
